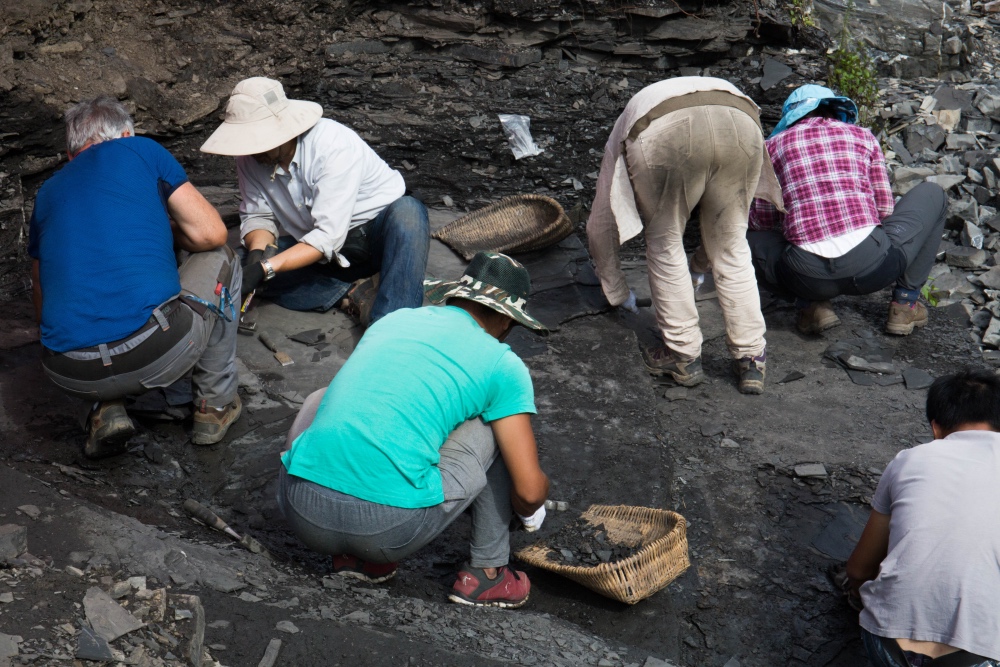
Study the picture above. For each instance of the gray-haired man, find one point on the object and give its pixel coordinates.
(117, 316)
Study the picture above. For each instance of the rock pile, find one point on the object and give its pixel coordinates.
(584, 544)
(949, 134)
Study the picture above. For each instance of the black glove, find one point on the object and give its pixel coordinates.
(253, 272)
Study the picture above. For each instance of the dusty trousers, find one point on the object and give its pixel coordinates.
(707, 155)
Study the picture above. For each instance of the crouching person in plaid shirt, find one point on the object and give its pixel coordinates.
(841, 233)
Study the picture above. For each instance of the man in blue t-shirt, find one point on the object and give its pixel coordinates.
(117, 315)
(429, 416)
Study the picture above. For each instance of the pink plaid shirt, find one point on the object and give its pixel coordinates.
(833, 181)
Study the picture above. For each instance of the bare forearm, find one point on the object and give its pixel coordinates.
(258, 239)
(527, 506)
(298, 256)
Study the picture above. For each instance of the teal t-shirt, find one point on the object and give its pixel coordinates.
(416, 375)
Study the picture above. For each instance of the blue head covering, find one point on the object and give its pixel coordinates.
(805, 99)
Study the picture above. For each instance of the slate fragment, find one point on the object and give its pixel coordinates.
(309, 337)
(108, 618)
(792, 377)
(861, 378)
(92, 647)
(917, 378)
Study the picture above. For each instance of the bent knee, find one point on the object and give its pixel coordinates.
(410, 214)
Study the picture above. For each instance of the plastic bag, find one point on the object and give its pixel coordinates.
(518, 131)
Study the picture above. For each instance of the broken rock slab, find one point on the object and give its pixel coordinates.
(810, 470)
(916, 378)
(857, 363)
(90, 646)
(108, 618)
(13, 541)
(8, 647)
(965, 257)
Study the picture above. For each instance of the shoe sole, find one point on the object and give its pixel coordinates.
(112, 445)
(682, 380)
(502, 604)
(753, 388)
(820, 327)
(904, 329)
(361, 576)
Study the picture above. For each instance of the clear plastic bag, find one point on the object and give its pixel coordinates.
(518, 131)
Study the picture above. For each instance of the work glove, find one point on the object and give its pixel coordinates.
(630, 304)
(533, 522)
(253, 272)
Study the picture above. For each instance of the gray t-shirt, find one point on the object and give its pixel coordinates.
(940, 581)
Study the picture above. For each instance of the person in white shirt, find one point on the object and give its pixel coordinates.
(331, 210)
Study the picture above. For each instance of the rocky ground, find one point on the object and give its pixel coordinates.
(774, 487)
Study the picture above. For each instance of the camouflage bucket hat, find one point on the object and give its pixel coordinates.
(494, 280)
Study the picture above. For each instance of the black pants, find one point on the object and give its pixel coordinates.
(901, 251)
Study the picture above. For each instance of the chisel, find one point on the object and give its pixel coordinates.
(282, 358)
(212, 520)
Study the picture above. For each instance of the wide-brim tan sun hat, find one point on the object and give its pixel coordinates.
(494, 280)
(259, 117)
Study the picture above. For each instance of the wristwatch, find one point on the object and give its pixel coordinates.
(268, 269)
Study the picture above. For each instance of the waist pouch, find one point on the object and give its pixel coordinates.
(168, 324)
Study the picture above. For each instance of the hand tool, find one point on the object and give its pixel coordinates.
(643, 302)
(212, 520)
(282, 357)
(248, 317)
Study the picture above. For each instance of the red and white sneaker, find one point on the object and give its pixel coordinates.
(352, 566)
(509, 589)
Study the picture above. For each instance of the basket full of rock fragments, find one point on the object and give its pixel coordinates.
(521, 223)
(624, 553)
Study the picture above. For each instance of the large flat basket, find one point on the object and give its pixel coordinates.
(661, 536)
(521, 223)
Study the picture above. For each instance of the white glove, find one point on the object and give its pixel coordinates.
(629, 304)
(533, 522)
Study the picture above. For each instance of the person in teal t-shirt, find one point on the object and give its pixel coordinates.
(429, 416)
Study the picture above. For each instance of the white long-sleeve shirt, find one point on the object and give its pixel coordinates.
(614, 217)
(335, 182)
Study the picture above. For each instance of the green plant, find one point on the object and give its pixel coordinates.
(800, 12)
(852, 73)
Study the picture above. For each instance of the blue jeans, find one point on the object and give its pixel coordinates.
(881, 658)
(473, 475)
(393, 244)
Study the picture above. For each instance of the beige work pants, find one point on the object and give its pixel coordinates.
(707, 155)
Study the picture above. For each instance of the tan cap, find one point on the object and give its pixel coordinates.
(259, 117)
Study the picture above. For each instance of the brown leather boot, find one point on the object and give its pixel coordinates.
(902, 318)
(211, 424)
(109, 429)
(816, 318)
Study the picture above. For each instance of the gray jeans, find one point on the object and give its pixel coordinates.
(204, 344)
(901, 250)
(473, 475)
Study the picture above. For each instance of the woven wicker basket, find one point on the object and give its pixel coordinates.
(663, 555)
(514, 224)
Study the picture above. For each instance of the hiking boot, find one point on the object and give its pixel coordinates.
(751, 372)
(659, 360)
(903, 318)
(352, 566)
(211, 424)
(509, 589)
(109, 429)
(816, 318)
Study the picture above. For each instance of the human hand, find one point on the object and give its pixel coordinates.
(253, 272)
(533, 522)
(630, 304)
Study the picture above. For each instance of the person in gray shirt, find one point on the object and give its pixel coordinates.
(926, 563)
